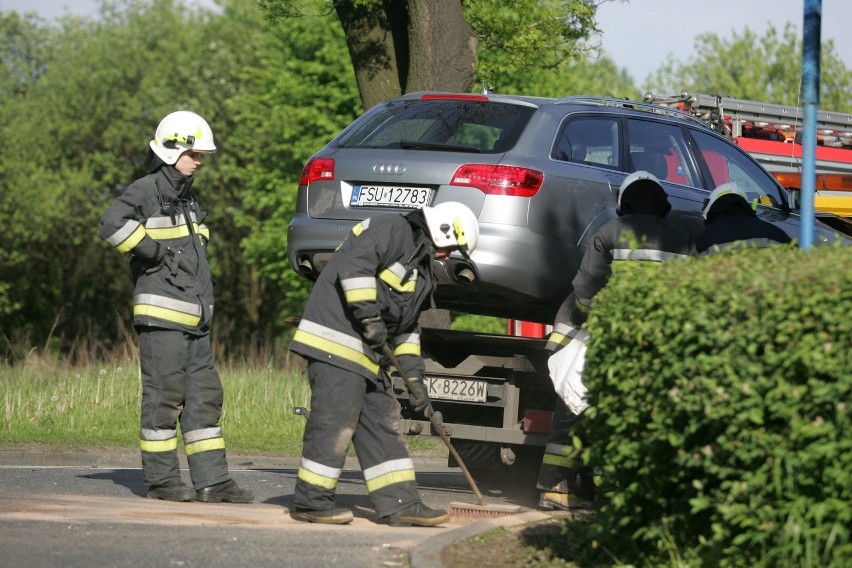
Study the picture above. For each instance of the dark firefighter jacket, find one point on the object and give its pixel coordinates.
(366, 277)
(160, 224)
(643, 239)
(732, 223)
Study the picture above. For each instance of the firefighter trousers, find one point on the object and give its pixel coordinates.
(180, 383)
(347, 408)
(560, 470)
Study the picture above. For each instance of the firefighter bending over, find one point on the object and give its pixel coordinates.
(371, 293)
(639, 238)
(159, 223)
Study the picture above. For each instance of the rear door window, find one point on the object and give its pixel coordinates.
(589, 140)
(445, 124)
(660, 149)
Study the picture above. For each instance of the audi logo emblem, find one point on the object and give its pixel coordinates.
(389, 169)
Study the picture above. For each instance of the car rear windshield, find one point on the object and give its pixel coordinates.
(446, 125)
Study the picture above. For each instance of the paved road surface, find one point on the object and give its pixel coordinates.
(89, 510)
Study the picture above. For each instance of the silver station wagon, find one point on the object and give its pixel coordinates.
(541, 175)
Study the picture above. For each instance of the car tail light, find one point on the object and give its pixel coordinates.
(317, 169)
(499, 180)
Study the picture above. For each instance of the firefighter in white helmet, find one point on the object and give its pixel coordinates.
(158, 222)
(371, 293)
(730, 221)
(638, 239)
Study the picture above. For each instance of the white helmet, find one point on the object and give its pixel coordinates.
(638, 180)
(729, 188)
(452, 224)
(181, 131)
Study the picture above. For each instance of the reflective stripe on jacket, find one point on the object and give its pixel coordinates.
(366, 277)
(162, 228)
(633, 238)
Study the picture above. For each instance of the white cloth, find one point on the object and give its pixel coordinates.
(566, 372)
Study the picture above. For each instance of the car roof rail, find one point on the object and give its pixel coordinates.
(637, 105)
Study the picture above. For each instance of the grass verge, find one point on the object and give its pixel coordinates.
(51, 403)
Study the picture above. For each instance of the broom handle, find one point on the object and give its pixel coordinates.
(430, 413)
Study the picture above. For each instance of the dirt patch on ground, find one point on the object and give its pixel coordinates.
(536, 545)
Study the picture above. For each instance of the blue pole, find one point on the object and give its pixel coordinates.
(810, 100)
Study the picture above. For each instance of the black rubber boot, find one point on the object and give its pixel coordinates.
(225, 492)
(171, 491)
(335, 516)
(418, 515)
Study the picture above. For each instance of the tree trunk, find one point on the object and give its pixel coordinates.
(442, 45)
(400, 47)
(378, 46)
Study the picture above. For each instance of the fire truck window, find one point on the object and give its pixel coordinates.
(588, 140)
(727, 163)
(718, 166)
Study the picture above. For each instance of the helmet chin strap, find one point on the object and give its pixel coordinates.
(416, 256)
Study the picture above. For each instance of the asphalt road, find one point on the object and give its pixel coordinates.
(89, 510)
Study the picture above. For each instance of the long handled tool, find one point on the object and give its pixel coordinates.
(439, 428)
(460, 512)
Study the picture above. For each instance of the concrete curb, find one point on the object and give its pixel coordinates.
(427, 554)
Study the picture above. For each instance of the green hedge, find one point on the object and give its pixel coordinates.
(719, 418)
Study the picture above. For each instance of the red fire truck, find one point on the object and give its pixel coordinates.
(772, 134)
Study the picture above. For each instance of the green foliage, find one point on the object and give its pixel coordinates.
(23, 52)
(515, 38)
(296, 92)
(720, 416)
(479, 324)
(762, 68)
(73, 137)
(597, 76)
(518, 36)
(81, 100)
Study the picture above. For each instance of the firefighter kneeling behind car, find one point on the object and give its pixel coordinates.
(638, 238)
(371, 293)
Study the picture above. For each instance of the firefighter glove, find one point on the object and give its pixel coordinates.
(419, 396)
(375, 332)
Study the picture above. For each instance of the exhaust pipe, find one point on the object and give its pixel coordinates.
(306, 268)
(465, 274)
(455, 271)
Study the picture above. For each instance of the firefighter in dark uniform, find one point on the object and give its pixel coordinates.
(371, 293)
(160, 225)
(638, 239)
(731, 222)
